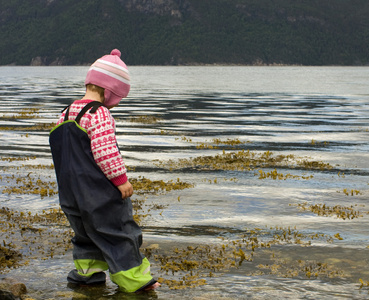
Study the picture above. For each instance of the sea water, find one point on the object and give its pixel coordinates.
(314, 113)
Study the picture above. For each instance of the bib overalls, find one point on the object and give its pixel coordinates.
(106, 236)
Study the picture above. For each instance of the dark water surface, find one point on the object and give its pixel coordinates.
(313, 113)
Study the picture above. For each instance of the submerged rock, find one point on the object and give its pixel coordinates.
(11, 289)
(5, 295)
(18, 289)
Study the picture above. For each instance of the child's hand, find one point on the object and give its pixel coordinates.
(126, 189)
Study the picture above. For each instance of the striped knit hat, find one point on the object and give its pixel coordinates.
(110, 73)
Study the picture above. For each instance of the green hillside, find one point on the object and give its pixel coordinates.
(166, 32)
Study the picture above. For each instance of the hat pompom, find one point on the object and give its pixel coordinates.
(115, 52)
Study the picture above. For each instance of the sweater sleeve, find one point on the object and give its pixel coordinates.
(104, 146)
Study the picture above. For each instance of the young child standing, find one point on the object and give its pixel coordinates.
(93, 187)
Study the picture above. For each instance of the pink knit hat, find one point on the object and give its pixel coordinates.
(110, 73)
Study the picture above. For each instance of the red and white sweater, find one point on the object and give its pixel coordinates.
(100, 128)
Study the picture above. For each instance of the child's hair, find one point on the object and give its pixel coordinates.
(95, 88)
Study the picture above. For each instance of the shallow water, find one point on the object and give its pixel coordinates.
(317, 113)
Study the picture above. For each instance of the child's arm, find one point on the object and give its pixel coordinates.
(105, 150)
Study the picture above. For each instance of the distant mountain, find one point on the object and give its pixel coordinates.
(172, 32)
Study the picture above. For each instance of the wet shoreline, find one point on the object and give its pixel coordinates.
(253, 186)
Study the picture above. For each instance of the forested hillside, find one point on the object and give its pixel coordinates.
(166, 32)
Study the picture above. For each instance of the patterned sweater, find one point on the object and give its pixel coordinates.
(100, 128)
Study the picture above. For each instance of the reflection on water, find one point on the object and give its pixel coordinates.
(317, 114)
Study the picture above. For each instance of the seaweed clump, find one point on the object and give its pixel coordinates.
(280, 176)
(144, 185)
(38, 236)
(215, 143)
(9, 258)
(341, 212)
(244, 161)
(30, 185)
(26, 114)
(190, 266)
(145, 119)
(295, 268)
(35, 127)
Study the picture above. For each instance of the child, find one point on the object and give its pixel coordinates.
(93, 187)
